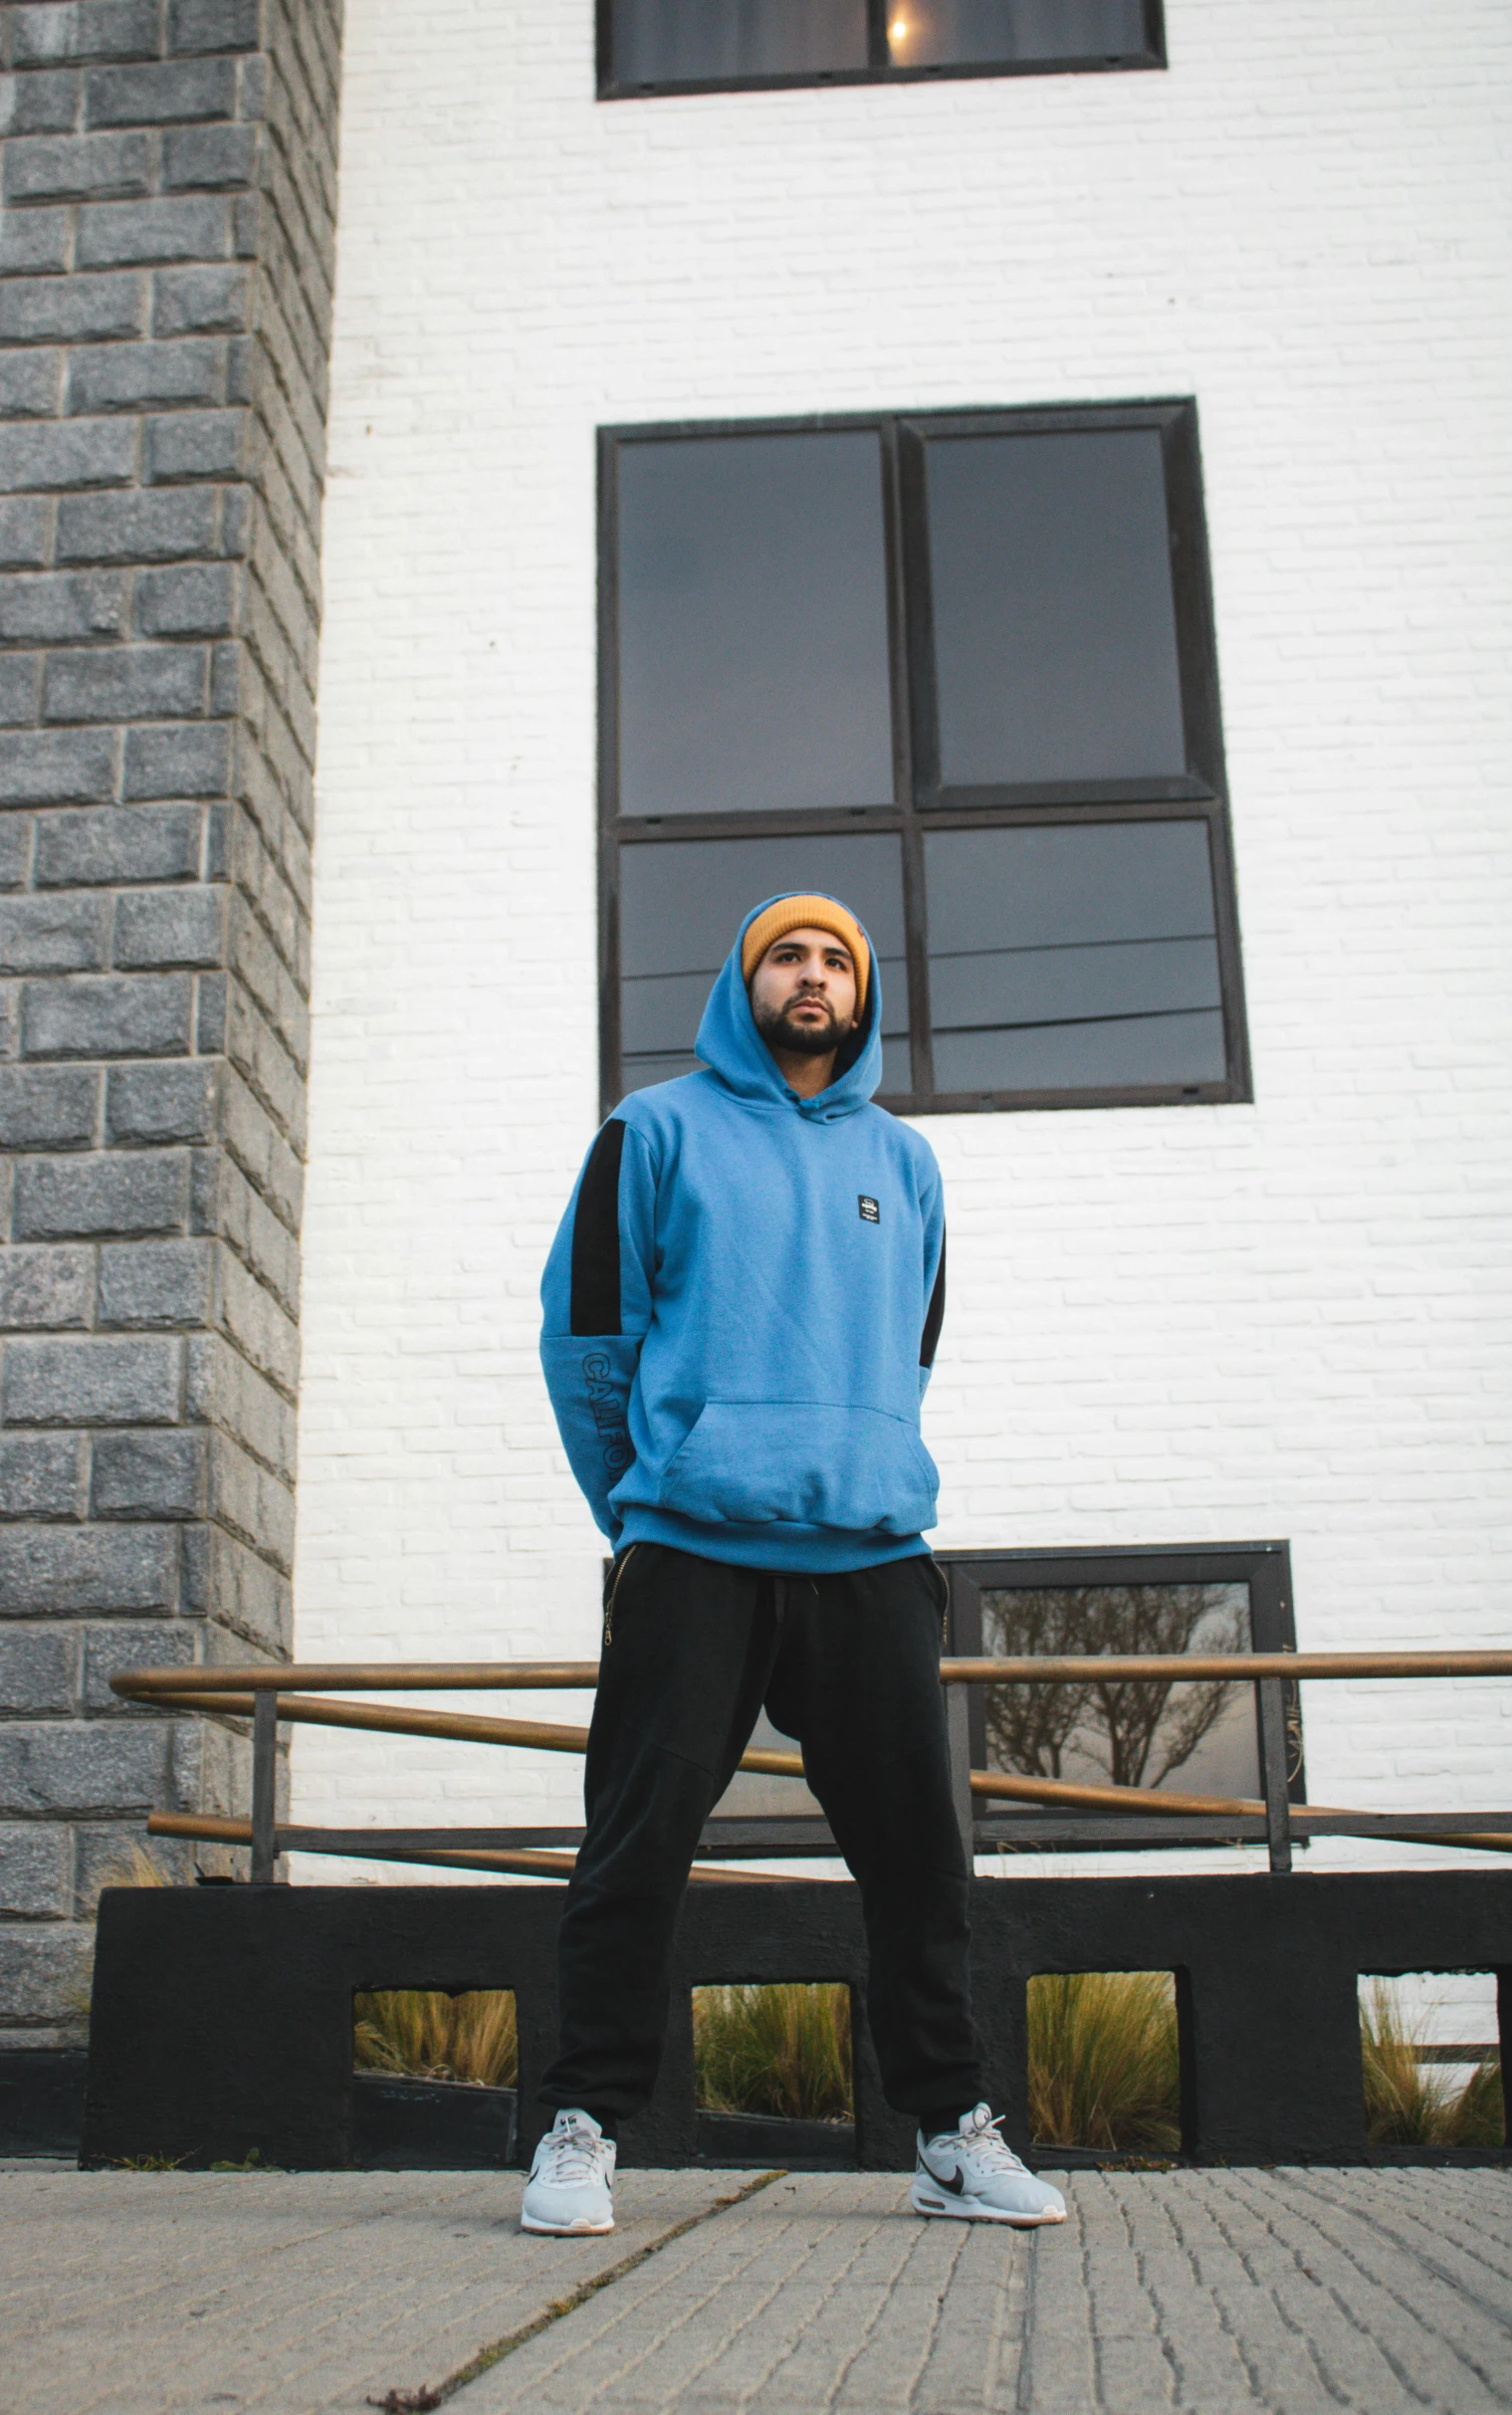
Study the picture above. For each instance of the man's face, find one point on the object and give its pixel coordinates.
(803, 992)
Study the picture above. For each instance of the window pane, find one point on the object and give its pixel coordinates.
(752, 624)
(682, 903)
(1054, 629)
(749, 1795)
(712, 41)
(1197, 1738)
(965, 33)
(1073, 957)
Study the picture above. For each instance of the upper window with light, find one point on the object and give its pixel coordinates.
(647, 47)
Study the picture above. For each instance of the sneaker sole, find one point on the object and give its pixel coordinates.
(565, 2230)
(964, 2209)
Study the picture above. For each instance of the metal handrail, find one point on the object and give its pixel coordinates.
(520, 1676)
(258, 1691)
(520, 1862)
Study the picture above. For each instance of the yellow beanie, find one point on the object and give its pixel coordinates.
(807, 914)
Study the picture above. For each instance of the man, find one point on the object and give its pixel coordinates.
(742, 1309)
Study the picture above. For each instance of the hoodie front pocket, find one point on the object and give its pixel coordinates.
(803, 1463)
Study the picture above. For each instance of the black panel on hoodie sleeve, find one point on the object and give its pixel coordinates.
(595, 1237)
(936, 1317)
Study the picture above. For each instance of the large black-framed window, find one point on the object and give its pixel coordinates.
(1200, 1738)
(651, 47)
(960, 669)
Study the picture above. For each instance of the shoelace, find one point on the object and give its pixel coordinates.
(572, 2154)
(994, 2149)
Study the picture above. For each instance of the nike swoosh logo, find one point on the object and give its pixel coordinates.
(955, 2184)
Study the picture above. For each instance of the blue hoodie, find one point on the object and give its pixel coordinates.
(742, 1306)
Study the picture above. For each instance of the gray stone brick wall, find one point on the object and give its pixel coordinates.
(166, 247)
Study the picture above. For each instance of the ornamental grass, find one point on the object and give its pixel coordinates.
(781, 2049)
(1412, 2103)
(1103, 2059)
(1104, 2070)
(421, 2034)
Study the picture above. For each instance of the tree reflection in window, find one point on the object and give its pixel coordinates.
(1122, 1732)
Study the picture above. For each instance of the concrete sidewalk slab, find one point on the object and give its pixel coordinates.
(1299, 2292)
(1290, 2291)
(139, 2293)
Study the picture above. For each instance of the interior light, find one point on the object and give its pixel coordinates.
(898, 30)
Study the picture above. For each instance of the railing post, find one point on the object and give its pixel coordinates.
(957, 1728)
(1272, 1702)
(264, 1745)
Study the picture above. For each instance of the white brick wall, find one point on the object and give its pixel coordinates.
(1285, 1320)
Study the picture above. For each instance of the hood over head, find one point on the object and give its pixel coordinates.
(730, 1044)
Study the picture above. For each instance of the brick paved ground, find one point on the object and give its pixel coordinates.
(1297, 2293)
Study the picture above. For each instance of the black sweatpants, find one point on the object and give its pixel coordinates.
(847, 1665)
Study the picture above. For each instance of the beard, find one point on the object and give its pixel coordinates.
(801, 1039)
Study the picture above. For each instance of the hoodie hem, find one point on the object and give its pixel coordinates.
(814, 1551)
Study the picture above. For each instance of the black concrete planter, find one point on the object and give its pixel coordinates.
(743, 2140)
(429, 2125)
(42, 2099)
(222, 2017)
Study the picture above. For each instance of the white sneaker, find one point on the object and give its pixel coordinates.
(572, 2178)
(973, 2175)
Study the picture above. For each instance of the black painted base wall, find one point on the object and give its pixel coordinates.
(429, 2125)
(42, 2099)
(222, 2017)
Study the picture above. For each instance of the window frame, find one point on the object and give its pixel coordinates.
(879, 68)
(1264, 1568)
(920, 804)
